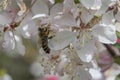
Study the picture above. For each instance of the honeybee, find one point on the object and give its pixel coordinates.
(44, 36)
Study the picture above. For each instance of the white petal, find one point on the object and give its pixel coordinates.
(7, 77)
(9, 42)
(40, 7)
(108, 18)
(87, 3)
(68, 5)
(4, 18)
(75, 11)
(16, 38)
(56, 9)
(65, 19)
(117, 16)
(89, 14)
(36, 69)
(117, 26)
(91, 4)
(93, 73)
(103, 8)
(19, 46)
(97, 5)
(39, 16)
(52, 1)
(105, 33)
(112, 73)
(28, 30)
(21, 49)
(85, 53)
(61, 40)
(111, 78)
(82, 74)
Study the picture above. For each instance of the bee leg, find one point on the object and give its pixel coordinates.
(50, 37)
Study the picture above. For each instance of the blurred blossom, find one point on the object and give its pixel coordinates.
(51, 77)
(11, 39)
(79, 28)
(118, 40)
(5, 77)
(55, 77)
(37, 70)
(104, 60)
(112, 73)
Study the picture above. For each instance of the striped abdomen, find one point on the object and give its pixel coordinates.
(44, 38)
(45, 44)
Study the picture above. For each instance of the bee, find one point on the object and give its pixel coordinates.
(44, 35)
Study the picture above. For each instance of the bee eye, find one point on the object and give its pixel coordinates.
(39, 29)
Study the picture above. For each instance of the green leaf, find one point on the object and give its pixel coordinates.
(118, 34)
(117, 45)
(76, 1)
(116, 59)
(2, 72)
(118, 77)
(58, 1)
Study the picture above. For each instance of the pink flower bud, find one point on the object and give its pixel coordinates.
(51, 77)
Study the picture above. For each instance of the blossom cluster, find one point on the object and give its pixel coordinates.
(77, 28)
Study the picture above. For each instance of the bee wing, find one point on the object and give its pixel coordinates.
(39, 43)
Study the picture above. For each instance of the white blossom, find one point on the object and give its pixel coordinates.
(61, 40)
(36, 69)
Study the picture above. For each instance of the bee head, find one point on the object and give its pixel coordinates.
(39, 29)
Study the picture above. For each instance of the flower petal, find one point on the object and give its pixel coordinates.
(82, 74)
(117, 16)
(4, 18)
(89, 14)
(40, 7)
(28, 30)
(52, 1)
(117, 26)
(61, 40)
(91, 4)
(36, 69)
(85, 53)
(68, 5)
(108, 18)
(9, 42)
(65, 19)
(93, 73)
(56, 9)
(105, 33)
(39, 16)
(103, 8)
(19, 46)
